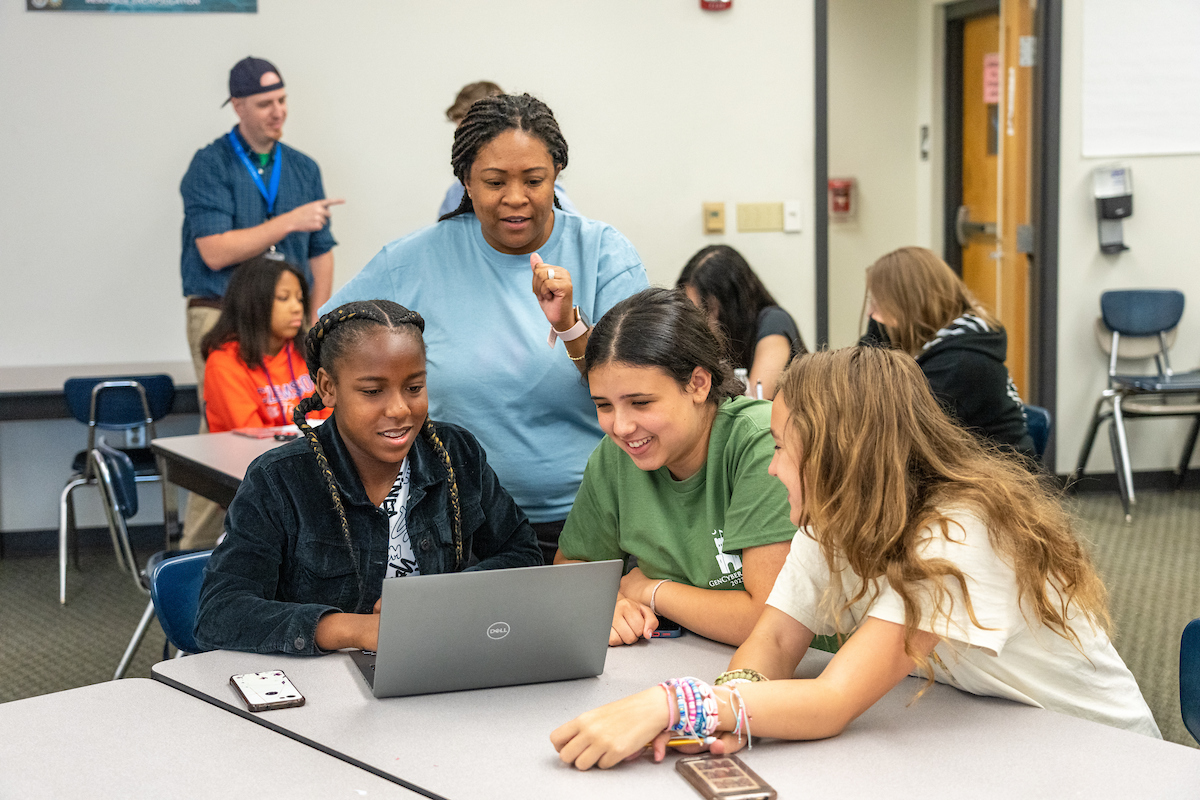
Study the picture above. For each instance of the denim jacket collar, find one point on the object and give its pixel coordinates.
(425, 468)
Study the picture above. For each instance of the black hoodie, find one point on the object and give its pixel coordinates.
(964, 364)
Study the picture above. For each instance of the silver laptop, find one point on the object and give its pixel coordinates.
(476, 630)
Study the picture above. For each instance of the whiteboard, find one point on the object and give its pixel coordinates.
(665, 106)
(1141, 77)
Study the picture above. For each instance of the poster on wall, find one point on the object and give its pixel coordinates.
(147, 6)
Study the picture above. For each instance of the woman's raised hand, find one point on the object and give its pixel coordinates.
(552, 287)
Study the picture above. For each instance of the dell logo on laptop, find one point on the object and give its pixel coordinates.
(498, 630)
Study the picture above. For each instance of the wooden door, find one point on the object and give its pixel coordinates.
(980, 156)
(996, 108)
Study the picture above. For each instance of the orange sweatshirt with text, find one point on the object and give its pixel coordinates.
(237, 395)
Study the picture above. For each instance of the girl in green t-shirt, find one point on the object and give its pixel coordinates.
(680, 481)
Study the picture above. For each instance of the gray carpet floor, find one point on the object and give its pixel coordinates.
(1151, 568)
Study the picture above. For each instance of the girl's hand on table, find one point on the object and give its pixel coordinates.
(631, 621)
(617, 732)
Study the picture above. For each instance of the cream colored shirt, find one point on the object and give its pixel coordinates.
(1007, 657)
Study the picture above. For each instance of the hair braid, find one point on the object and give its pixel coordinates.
(431, 434)
(491, 116)
(325, 342)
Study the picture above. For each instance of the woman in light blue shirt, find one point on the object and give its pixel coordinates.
(491, 351)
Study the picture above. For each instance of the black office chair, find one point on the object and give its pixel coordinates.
(130, 406)
(1151, 314)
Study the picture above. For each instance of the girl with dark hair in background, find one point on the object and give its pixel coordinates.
(317, 524)
(254, 372)
(762, 337)
(681, 480)
(496, 362)
(942, 558)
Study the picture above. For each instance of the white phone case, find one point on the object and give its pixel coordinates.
(263, 691)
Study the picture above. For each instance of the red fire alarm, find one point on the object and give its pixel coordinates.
(842, 204)
(715, 5)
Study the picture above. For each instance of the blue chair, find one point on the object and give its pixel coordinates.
(1151, 316)
(1037, 420)
(171, 578)
(1189, 678)
(129, 406)
(175, 593)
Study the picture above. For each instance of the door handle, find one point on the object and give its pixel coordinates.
(965, 229)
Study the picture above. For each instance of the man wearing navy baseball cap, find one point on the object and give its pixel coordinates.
(247, 194)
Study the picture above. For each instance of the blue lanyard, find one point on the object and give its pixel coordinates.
(269, 196)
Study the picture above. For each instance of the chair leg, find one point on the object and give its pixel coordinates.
(1180, 474)
(1088, 440)
(135, 642)
(1120, 473)
(1123, 441)
(66, 513)
(73, 531)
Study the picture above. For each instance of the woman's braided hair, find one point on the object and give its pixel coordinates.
(326, 342)
(491, 116)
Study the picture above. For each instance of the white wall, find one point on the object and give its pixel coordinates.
(664, 107)
(1162, 255)
(878, 99)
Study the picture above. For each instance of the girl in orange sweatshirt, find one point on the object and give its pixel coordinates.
(255, 373)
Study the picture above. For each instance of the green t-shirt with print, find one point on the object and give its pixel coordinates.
(690, 531)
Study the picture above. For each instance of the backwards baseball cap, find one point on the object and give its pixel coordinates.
(246, 77)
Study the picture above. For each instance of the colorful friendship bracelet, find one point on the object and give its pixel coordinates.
(695, 704)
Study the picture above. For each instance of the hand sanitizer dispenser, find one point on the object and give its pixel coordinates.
(1113, 187)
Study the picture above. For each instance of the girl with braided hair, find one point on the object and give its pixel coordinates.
(495, 357)
(379, 490)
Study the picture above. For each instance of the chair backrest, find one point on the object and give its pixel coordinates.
(1141, 312)
(1189, 678)
(1133, 347)
(1037, 419)
(120, 403)
(175, 590)
(117, 478)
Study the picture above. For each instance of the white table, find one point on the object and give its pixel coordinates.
(210, 464)
(495, 743)
(137, 738)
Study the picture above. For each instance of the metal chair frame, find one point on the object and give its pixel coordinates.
(1132, 396)
(66, 505)
(118, 490)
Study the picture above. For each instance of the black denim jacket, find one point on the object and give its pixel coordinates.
(285, 562)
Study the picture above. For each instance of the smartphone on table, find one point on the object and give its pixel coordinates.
(264, 691)
(667, 629)
(723, 778)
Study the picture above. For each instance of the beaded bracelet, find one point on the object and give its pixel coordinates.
(694, 706)
(740, 676)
